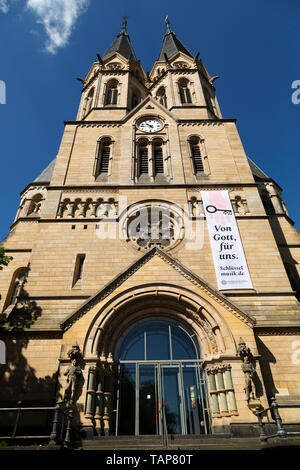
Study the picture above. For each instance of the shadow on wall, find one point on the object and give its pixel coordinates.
(266, 359)
(24, 314)
(20, 386)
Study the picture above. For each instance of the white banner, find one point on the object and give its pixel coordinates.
(228, 253)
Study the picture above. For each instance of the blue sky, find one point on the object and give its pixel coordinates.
(44, 45)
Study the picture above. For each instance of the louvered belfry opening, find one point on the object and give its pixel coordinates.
(158, 157)
(112, 92)
(185, 94)
(143, 157)
(104, 156)
(196, 155)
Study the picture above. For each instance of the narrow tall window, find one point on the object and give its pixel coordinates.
(158, 158)
(184, 91)
(89, 101)
(161, 96)
(196, 155)
(78, 270)
(112, 92)
(104, 159)
(143, 157)
(15, 288)
(103, 156)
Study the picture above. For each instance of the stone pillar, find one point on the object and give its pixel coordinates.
(107, 397)
(71, 208)
(99, 400)
(222, 393)
(82, 209)
(230, 390)
(90, 394)
(213, 390)
(94, 208)
(60, 210)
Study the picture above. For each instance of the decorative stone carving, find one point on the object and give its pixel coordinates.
(248, 367)
(74, 378)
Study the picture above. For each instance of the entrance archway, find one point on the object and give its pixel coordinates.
(161, 383)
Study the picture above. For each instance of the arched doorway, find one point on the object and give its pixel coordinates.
(161, 381)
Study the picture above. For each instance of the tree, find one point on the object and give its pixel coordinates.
(4, 260)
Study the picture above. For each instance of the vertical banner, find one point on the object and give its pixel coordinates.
(228, 253)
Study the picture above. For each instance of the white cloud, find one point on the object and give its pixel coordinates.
(58, 18)
(4, 6)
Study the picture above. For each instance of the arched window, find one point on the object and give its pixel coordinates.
(111, 96)
(157, 339)
(158, 157)
(15, 287)
(89, 101)
(143, 156)
(161, 96)
(184, 91)
(196, 154)
(103, 157)
(35, 205)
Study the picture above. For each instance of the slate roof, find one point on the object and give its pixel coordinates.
(171, 45)
(46, 174)
(122, 45)
(257, 171)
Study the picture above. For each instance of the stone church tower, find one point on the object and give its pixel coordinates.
(112, 257)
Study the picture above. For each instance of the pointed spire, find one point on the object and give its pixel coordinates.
(121, 44)
(171, 44)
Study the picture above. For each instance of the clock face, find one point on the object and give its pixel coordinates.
(150, 125)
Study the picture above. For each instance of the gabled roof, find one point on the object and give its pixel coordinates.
(121, 44)
(135, 266)
(46, 174)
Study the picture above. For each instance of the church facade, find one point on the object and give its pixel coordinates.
(114, 258)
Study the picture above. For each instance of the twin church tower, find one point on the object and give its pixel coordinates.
(114, 256)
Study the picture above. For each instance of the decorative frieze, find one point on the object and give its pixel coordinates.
(88, 208)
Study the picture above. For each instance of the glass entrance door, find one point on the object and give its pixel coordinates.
(149, 391)
(171, 396)
(148, 422)
(161, 384)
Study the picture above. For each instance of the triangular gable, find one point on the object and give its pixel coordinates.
(135, 266)
(149, 99)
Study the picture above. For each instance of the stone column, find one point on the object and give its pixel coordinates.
(82, 209)
(99, 400)
(213, 390)
(94, 208)
(71, 208)
(90, 394)
(60, 210)
(229, 386)
(222, 393)
(107, 398)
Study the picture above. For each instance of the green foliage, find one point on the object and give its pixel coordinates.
(4, 260)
